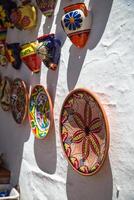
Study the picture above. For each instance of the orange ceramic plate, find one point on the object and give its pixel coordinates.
(19, 100)
(84, 131)
(40, 111)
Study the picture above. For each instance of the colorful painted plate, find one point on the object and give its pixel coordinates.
(5, 92)
(19, 100)
(84, 131)
(40, 111)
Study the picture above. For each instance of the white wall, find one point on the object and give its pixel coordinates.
(105, 66)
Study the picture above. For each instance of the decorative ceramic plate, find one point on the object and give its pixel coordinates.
(5, 92)
(84, 131)
(40, 111)
(19, 100)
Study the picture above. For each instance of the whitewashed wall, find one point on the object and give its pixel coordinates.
(105, 66)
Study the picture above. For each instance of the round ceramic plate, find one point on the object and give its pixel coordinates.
(19, 100)
(5, 92)
(84, 131)
(40, 111)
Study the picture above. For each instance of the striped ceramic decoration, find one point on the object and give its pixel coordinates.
(29, 57)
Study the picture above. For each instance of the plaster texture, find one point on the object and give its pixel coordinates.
(104, 66)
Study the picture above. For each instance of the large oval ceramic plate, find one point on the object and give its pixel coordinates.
(19, 100)
(84, 131)
(5, 91)
(40, 111)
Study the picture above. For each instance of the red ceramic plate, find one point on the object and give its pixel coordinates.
(84, 131)
(19, 100)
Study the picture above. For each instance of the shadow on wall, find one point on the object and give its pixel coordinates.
(52, 77)
(12, 135)
(45, 152)
(100, 11)
(12, 138)
(98, 186)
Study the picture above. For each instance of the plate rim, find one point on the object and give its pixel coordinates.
(93, 94)
(51, 110)
(26, 97)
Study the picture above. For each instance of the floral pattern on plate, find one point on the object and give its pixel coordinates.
(84, 131)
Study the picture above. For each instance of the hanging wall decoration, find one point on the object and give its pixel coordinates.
(46, 6)
(84, 131)
(24, 17)
(19, 100)
(29, 57)
(40, 112)
(76, 22)
(3, 55)
(13, 55)
(5, 91)
(49, 48)
(6, 7)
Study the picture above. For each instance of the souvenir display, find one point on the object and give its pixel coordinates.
(84, 131)
(29, 57)
(49, 48)
(76, 22)
(46, 6)
(3, 55)
(13, 55)
(19, 100)
(24, 17)
(40, 111)
(5, 92)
